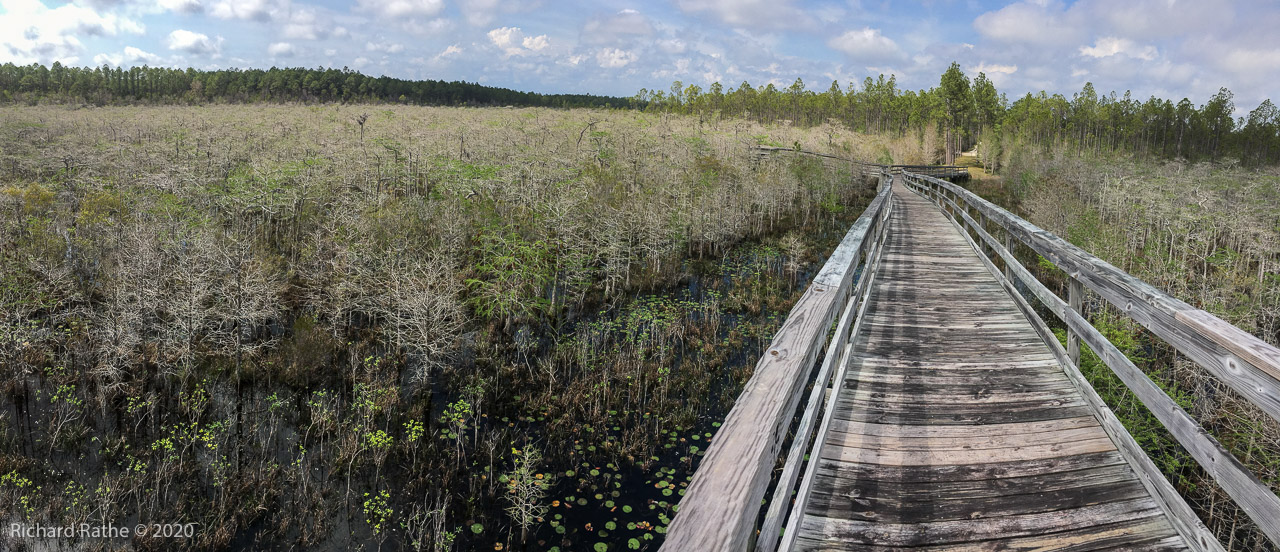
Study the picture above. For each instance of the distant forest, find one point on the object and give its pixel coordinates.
(959, 113)
(114, 85)
(963, 113)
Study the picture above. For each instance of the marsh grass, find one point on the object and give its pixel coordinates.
(329, 326)
(1203, 233)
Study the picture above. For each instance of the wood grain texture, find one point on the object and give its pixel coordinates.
(837, 351)
(1252, 495)
(1177, 323)
(1240, 342)
(1179, 513)
(722, 503)
(955, 423)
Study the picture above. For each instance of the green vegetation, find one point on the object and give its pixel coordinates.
(1204, 233)
(960, 114)
(433, 328)
(106, 85)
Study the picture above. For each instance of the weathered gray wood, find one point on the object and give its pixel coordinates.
(802, 494)
(720, 507)
(1240, 342)
(947, 532)
(1008, 244)
(1075, 298)
(837, 270)
(891, 428)
(1180, 514)
(1150, 307)
(837, 350)
(1203, 446)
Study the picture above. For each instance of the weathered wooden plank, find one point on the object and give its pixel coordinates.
(1253, 496)
(968, 472)
(984, 396)
(1149, 534)
(869, 503)
(894, 457)
(948, 409)
(961, 432)
(960, 531)
(922, 492)
(838, 349)
(1021, 381)
(1180, 514)
(806, 484)
(1150, 307)
(931, 364)
(719, 510)
(856, 437)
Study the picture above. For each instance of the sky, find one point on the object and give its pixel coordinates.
(1166, 48)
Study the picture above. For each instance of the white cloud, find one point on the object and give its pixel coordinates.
(535, 43)
(1110, 46)
(1030, 22)
(193, 42)
(254, 10)
(673, 46)
(432, 28)
(136, 55)
(999, 74)
(613, 58)
(384, 47)
(114, 60)
(765, 14)
(402, 8)
(1148, 19)
(281, 49)
(993, 68)
(624, 25)
(866, 45)
(1252, 61)
(31, 32)
(452, 51)
(305, 24)
(512, 42)
(182, 6)
(479, 12)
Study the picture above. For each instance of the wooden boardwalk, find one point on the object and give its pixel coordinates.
(951, 417)
(956, 426)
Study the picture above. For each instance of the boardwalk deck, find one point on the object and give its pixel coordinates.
(956, 426)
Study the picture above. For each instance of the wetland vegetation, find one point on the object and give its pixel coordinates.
(368, 326)
(444, 328)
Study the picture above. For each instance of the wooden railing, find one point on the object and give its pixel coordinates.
(723, 502)
(937, 171)
(1247, 364)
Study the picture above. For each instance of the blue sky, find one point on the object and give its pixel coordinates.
(1168, 48)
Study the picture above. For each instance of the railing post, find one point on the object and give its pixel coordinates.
(1008, 246)
(1075, 296)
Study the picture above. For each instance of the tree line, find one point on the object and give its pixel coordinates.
(964, 112)
(115, 85)
(959, 113)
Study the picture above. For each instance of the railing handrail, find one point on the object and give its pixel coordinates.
(1239, 359)
(944, 169)
(723, 501)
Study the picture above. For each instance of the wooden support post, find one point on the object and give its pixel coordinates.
(1008, 246)
(1075, 296)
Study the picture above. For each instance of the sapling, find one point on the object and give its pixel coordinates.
(526, 487)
